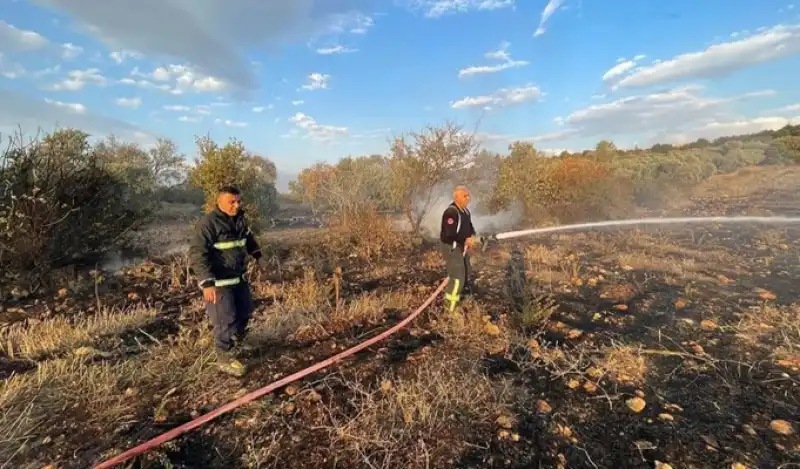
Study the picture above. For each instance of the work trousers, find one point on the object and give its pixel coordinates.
(230, 314)
(458, 271)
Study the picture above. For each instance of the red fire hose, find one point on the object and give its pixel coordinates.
(191, 425)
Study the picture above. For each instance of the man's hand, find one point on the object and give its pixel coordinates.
(470, 243)
(210, 295)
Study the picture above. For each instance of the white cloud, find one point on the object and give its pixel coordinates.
(298, 102)
(231, 123)
(70, 51)
(721, 59)
(551, 7)
(77, 108)
(335, 50)
(500, 54)
(132, 103)
(315, 130)
(143, 84)
(670, 112)
(259, 109)
(13, 39)
(47, 71)
(618, 70)
(181, 79)
(77, 79)
(177, 108)
(190, 119)
(209, 34)
(122, 55)
(354, 24)
(501, 98)
(316, 81)
(790, 108)
(438, 8)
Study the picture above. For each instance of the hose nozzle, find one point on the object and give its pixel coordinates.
(485, 240)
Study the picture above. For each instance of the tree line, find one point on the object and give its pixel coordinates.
(65, 200)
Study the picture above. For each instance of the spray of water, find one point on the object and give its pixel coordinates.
(649, 221)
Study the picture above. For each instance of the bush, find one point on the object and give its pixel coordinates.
(362, 232)
(59, 204)
(562, 190)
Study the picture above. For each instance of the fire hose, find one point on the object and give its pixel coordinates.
(484, 242)
(247, 398)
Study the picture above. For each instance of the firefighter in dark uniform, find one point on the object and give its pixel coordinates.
(218, 253)
(457, 237)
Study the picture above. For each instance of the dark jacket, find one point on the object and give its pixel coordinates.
(219, 248)
(456, 225)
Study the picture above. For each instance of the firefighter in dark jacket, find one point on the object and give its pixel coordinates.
(457, 237)
(218, 253)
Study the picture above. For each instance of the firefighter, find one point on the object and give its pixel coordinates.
(457, 238)
(218, 252)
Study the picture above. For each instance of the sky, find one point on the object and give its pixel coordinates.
(305, 81)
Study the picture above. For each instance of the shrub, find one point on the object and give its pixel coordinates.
(363, 232)
(59, 204)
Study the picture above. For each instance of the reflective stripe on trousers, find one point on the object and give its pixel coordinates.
(453, 297)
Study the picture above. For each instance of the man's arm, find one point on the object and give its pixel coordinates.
(200, 254)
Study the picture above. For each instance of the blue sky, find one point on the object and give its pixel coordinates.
(314, 80)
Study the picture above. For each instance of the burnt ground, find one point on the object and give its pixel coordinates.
(622, 348)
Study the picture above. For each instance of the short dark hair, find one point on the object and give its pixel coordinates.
(233, 190)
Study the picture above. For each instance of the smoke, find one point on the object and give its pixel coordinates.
(483, 221)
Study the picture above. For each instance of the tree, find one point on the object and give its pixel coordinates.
(605, 151)
(167, 165)
(232, 164)
(352, 183)
(792, 145)
(564, 189)
(310, 186)
(421, 163)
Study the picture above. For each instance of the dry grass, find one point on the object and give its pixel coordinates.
(775, 330)
(308, 308)
(62, 333)
(406, 420)
(625, 363)
(432, 259)
(369, 307)
(76, 398)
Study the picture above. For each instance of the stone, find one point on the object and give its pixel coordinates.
(781, 427)
(636, 404)
(708, 324)
(504, 421)
(543, 407)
